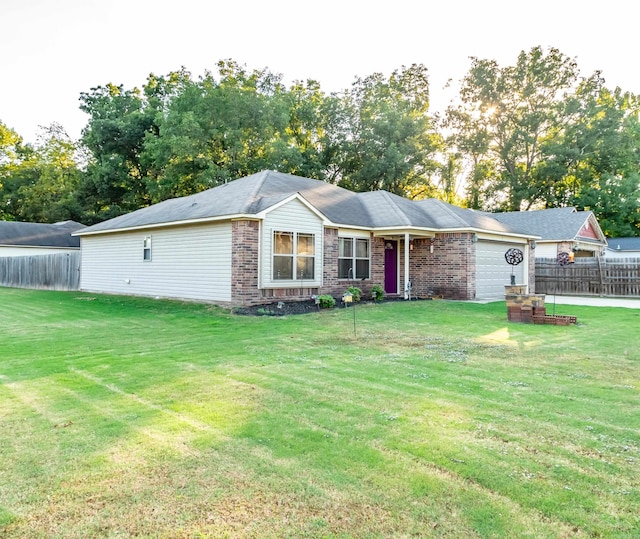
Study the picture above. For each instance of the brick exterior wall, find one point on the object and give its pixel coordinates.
(565, 247)
(245, 270)
(449, 271)
(336, 287)
(330, 283)
(245, 240)
(377, 263)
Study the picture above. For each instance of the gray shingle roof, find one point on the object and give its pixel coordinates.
(559, 224)
(258, 192)
(450, 216)
(624, 244)
(40, 234)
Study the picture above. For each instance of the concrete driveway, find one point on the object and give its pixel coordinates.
(593, 301)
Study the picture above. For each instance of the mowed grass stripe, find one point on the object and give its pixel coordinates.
(438, 419)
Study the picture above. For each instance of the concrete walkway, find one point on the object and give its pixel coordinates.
(593, 301)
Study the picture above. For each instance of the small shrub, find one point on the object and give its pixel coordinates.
(377, 292)
(355, 292)
(326, 301)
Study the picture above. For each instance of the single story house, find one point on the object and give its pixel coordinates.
(279, 237)
(560, 230)
(27, 239)
(623, 248)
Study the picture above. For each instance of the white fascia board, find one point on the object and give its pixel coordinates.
(234, 217)
(430, 232)
(505, 236)
(417, 231)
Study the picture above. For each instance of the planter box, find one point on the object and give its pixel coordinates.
(554, 320)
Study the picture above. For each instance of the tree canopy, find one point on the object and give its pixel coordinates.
(534, 134)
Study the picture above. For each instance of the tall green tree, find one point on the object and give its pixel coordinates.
(505, 116)
(235, 123)
(594, 162)
(114, 182)
(38, 181)
(13, 152)
(385, 134)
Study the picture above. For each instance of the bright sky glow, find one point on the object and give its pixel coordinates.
(53, 50)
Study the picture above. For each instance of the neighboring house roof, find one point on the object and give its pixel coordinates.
(624, 244)
(40, 234)
(253, 195)
(555, 224)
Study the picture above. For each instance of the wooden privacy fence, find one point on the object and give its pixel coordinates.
(50, 272)
(589, 276)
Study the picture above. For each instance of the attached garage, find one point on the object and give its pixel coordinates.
(492, 270)
(273, 236)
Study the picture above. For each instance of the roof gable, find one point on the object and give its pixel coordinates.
(299, 198)
(554, 224)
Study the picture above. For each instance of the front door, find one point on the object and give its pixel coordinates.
(391, 267)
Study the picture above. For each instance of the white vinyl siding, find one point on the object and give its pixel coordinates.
(188, 262)
(492, 270)
(546, 250)
(295, 218)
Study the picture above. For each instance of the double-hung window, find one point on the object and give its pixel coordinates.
(146, 248)
(293, 256)
(354, 258)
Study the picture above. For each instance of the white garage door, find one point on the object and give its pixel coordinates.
(492, 270)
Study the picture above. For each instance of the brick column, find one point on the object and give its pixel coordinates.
(245, 239)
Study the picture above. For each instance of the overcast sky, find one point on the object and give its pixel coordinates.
(51, 50)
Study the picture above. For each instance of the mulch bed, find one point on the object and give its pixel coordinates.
(282, 308)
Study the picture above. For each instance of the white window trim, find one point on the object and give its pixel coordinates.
(317, 268)
(355, 258)
(147, 246)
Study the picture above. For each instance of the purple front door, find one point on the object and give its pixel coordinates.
(391, 267)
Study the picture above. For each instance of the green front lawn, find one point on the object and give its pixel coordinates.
(123, 417)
